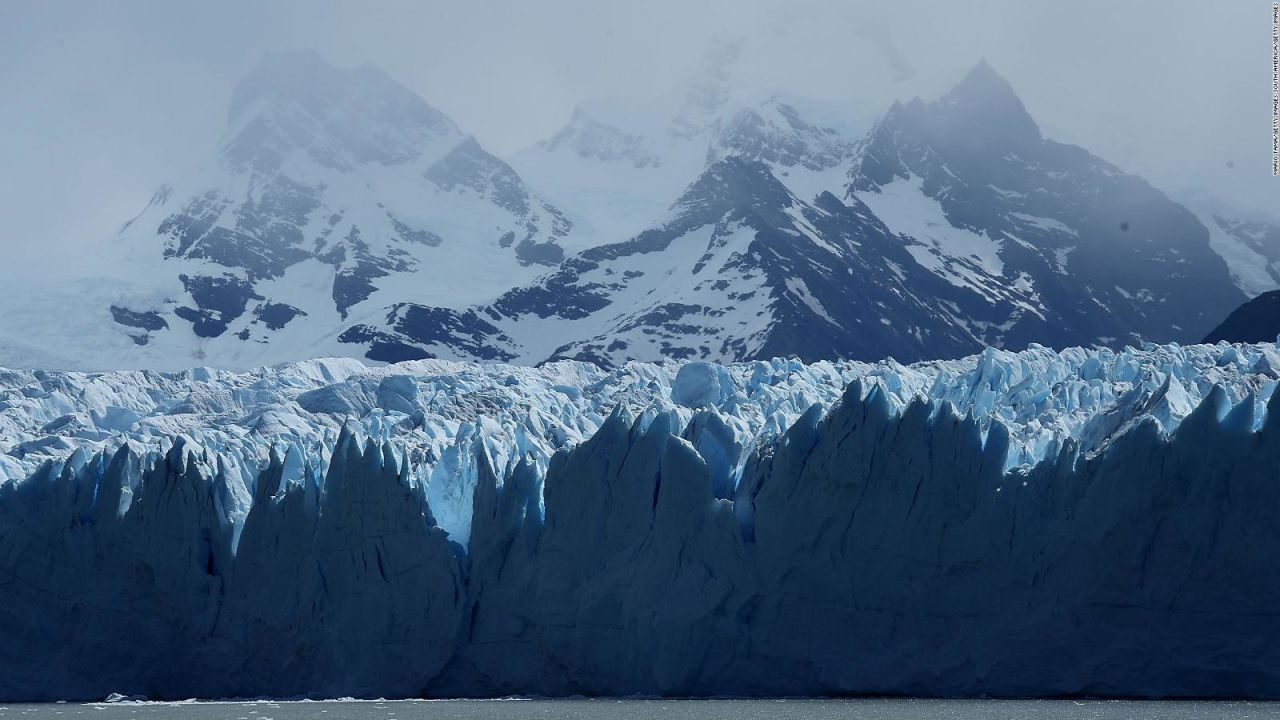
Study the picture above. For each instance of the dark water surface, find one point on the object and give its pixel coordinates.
(875, 709)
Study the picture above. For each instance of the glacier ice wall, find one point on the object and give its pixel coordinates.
(1010, 524)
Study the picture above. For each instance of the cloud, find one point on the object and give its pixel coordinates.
(105, 101)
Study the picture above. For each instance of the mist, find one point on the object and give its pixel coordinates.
(104, 101)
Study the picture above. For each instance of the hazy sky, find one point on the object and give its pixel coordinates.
(101, 102)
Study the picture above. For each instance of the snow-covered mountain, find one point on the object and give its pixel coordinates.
(1044, 523)
(1077, 250)
(616, 167)
(742, 268)
(617, 171)
(350, 175)
(333, 194)
(953, 225)
(343, 215)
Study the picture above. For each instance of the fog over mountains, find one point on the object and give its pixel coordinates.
(344, 215)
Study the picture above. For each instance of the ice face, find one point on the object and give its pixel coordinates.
(439, 412)
(1011, 523)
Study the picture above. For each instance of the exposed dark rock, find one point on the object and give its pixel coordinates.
(276, 315)
(1255, 321)
(219, 300)
(149, 320)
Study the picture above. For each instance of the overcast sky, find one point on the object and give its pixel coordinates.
(101, 102)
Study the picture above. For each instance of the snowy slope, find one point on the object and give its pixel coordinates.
(614, 170)
(742, 268)
(1251, 249)
(1049, 523)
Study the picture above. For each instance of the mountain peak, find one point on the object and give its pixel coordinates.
(983, 75)
(983, 83)
(298, 101)
(594, 139)
(734, 183)
(282, 76)
(986, 104)
(775, 132)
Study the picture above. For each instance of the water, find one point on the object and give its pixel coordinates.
(874, 709)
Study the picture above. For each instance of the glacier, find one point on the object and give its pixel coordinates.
(1084, 521)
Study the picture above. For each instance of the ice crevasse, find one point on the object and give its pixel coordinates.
(1042, 522)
